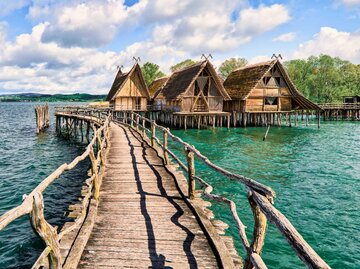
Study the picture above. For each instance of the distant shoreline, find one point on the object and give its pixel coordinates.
(35, 97)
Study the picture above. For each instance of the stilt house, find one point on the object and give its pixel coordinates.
(264, 87)
(351, 99)
(196, 88)
(129, 91)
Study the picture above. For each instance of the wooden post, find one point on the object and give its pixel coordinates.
(290, 119)
(259, 232)
(143, 127)
(81, 130)
(267, 131)
(46, 232)
(132, 119)
(191, 173)
(213, 121)
(137, 122)
(152, 134)
(42, 117)
(185, 122)
(318, 112)
(88, 132)
(296, 118)
(95, 173)
(228, 121)
(307, 118)
(166, 156)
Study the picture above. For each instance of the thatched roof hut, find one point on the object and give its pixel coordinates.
(264, 86)
(157, 84)
(129, 90)
(194, 88)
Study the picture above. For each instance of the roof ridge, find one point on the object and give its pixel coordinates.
(188, 67)
(270, 62)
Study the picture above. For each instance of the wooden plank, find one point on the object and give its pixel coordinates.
(141, 213)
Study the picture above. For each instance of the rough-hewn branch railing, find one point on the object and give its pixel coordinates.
(33, 204)
(260, 196)
(340, 106)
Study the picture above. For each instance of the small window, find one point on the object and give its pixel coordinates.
(278, 81)
(271, 101)
(266, 80)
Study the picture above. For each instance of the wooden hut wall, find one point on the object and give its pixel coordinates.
(130, 97)
(215, 98)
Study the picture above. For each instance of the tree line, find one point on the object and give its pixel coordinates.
(322, 79)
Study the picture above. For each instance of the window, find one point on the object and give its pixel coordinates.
(271, 101)
(278, 80)
(266, 80)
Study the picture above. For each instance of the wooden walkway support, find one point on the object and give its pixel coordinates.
(42, 117)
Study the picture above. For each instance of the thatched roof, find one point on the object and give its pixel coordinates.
(157, 84)
(120, 80)
(180, 81)
(242, 81)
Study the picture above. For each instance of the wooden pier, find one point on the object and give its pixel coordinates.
(140, 207)
(344, 111)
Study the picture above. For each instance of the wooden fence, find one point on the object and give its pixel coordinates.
(340, 106)
(260, 197)
(33, 204)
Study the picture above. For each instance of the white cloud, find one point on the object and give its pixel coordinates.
(350, 3)
(61, 53)
(288, 37)
(330, 41)
(213, 28)
(259, 59)
(254, 21)
(87, 24)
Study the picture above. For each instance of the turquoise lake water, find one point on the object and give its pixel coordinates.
(315, 173)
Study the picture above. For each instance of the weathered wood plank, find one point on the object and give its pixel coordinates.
(141, 216)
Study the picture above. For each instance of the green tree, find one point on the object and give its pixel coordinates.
(151, 72)
(325, 79)
(182, 65)
(230, 65)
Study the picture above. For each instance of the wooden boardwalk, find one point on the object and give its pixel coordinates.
(142, 221)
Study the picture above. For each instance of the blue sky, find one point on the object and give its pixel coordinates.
(52, 46)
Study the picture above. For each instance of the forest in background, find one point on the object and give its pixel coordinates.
(37, 97)
(325, 79)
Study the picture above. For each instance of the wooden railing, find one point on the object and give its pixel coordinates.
(340, 106)
(33, 204)
(260, 197)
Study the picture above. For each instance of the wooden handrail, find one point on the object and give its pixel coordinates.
(261, 198)
(340, 106)
(33, 203)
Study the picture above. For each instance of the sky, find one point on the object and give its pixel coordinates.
(72, 46)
